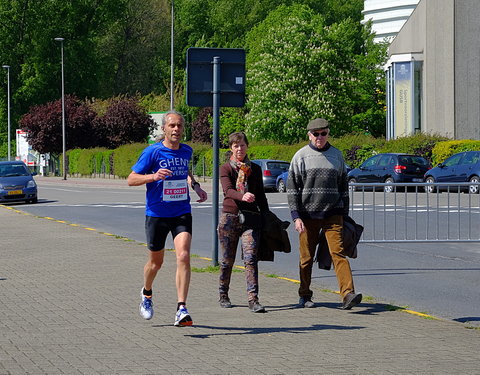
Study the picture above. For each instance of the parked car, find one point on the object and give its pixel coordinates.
(282, 180)
(390, 168)
(270, 170)
(17, 183)
(461, 167)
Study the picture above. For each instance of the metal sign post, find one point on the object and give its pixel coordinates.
(215, 78)
(216, 153)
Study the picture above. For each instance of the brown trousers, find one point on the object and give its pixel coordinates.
(333, 227)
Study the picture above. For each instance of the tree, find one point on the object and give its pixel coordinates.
(201, 126)
(136, 49)
(298, 68)
(124, 121)
(43, 124)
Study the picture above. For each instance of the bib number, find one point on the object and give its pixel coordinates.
(175, 190)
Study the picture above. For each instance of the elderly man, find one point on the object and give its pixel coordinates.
(163, 167)
(317, 191)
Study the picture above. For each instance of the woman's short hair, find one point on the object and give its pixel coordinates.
(236, 138)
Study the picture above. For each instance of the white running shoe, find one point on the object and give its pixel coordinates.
(146, 307)
(182, 317)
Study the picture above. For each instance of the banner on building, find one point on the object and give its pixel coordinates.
(403, 98)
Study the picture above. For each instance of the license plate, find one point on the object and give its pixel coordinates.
(15, 192)
(417, 179)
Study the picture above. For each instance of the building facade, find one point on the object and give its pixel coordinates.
(433, 71)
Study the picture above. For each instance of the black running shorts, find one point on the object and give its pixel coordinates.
(157, 229)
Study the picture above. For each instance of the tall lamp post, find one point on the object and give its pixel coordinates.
(63, 113)
(171, 60)
(8, 109)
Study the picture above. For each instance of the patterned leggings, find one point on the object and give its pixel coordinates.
(229, 232)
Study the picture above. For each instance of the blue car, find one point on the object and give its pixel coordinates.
(461, 167)
(270, 171)
(16, 183)
(282, 182)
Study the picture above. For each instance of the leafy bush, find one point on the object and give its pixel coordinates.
(443, 150)
(419, 144)
(199, 150)
(231, 120)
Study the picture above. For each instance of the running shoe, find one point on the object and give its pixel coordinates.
(146, 307)
(182, 317)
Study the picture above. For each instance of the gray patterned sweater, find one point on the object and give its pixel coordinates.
(317, 185)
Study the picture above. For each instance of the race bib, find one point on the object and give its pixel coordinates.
(175, 190)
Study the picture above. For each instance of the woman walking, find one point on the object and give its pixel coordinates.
(244, 199)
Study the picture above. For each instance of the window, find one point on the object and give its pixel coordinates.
(471, 158)
(453, 160)
(370, 163)
(385, 161)
(281, 166)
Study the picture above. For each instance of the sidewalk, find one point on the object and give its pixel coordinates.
(69, 305)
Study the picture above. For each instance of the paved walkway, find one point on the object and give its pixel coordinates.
(69, 305)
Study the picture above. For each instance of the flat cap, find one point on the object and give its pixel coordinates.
(318, 123)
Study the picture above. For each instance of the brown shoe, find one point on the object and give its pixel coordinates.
(256, 307)
(350, 300)
(225, 302)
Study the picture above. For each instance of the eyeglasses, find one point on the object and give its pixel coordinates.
(323, 134)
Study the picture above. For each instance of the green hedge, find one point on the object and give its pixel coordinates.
(125, 156)
(356, 148)
(89, 162)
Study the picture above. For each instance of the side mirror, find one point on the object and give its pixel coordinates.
(441, 165)
(34, 173)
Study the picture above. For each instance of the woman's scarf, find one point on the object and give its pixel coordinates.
(243, 169)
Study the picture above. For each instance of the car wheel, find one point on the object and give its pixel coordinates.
(352, 181)
(430, 189)
(389, 189)
(34, 200)
(281, 186)
(473, 189)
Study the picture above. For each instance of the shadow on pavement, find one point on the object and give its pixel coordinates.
(258, 331)
(468, 319)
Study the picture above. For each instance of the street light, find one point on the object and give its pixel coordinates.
(171, 61)
(8, 109)
(63, 114)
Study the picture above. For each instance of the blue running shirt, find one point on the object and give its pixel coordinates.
(176, 201)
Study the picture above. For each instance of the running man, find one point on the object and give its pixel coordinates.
(163, 167)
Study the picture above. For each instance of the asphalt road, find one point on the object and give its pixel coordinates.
(438, 279)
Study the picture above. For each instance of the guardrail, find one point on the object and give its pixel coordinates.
(418, 212)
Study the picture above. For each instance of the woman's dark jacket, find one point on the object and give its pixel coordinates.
(232, 201)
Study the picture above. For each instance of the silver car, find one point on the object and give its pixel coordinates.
(270, 171)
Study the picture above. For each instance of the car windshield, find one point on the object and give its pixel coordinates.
(277, 165)
(412, 160)
(13, 171)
